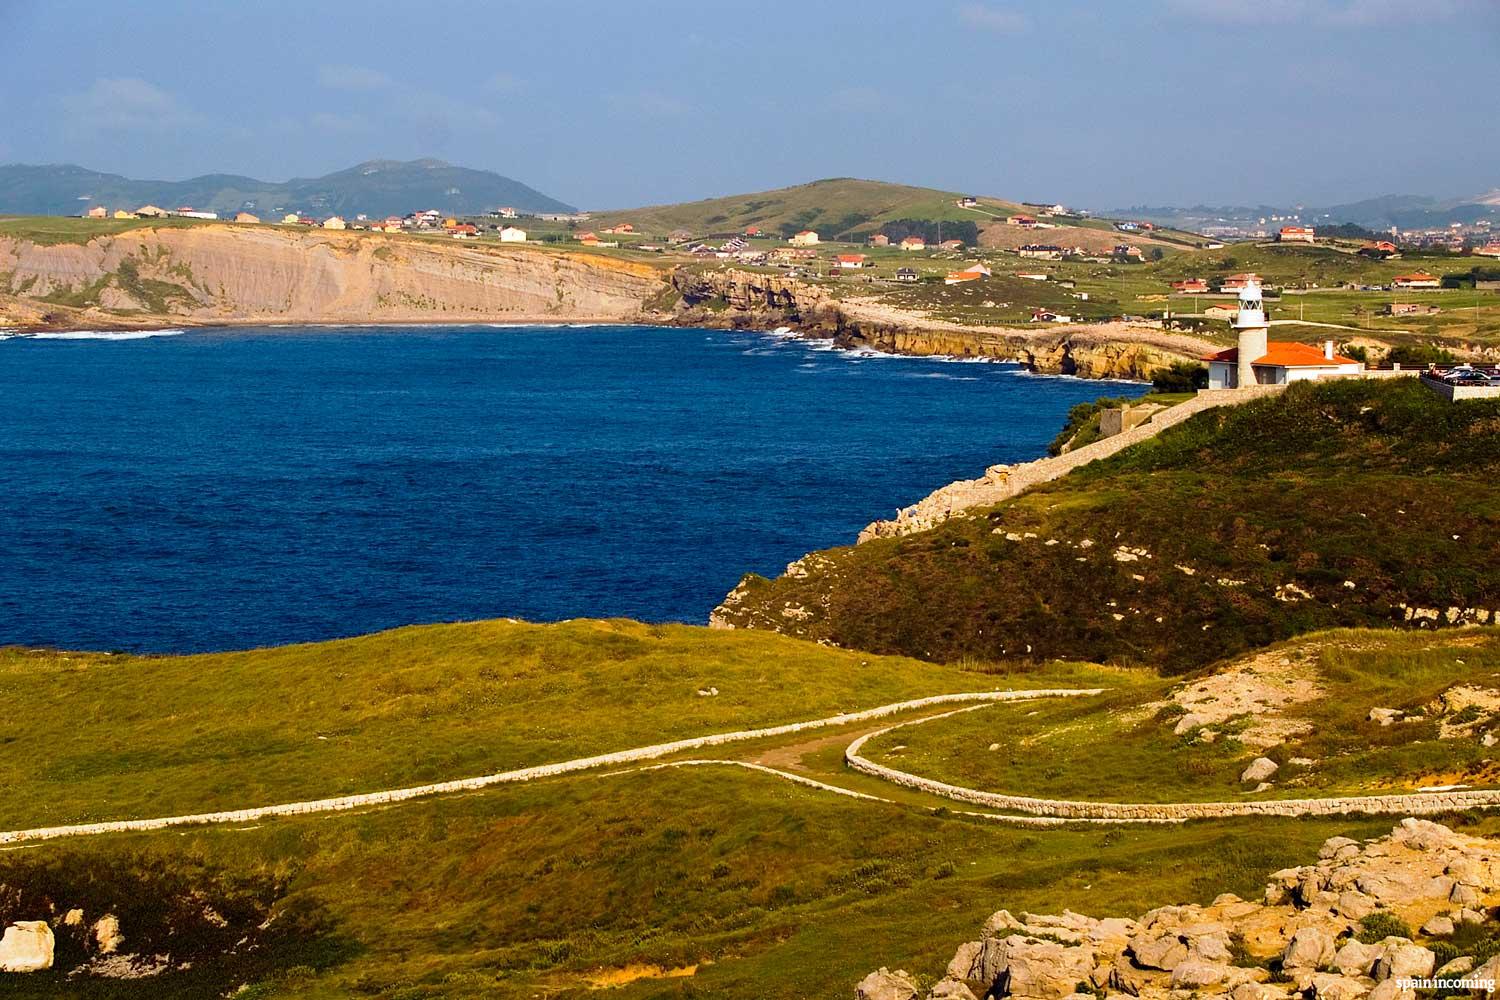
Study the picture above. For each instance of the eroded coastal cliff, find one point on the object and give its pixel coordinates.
(255, 274)
(1100, 350)
(244, 274)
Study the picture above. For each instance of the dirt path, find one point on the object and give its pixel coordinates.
(785, 762)
(527, 774)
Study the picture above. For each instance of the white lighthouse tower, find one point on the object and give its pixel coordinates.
(1251, 324)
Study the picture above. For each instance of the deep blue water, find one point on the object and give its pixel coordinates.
(229, 488)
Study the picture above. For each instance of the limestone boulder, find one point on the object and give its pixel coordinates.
(1391, 990)
(1044, 970)
(884, 984)
(1311, 947)
(965, 961)
(1356, 958)
(1260, 991)
(1400, 959)
(949, 988)
(1197, 973)
(1159, 950)
(1457, 967)
(1338, 849)
(1260, 769)
(1489, 971)
(1440, 925)
(1331, 986)
(1354, 904)
(1425, 835)
(26, 947)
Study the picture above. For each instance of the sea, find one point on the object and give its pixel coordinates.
(224, 488)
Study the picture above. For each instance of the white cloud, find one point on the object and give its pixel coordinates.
(991, 18)
(503, 83)
(647, 104)
(858, 100)
(1327, 13)
(325, 121)
(356, 78)
(127, 103)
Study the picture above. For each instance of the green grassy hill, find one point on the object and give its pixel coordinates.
(734, 882)
(140, 736)
(1329, 505)
(1305, 704)
(376, 187)
(837, 208)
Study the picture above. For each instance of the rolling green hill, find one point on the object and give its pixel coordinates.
(843, 207)
(1341, 504)
(376, 187)
(152, 735)
(679, 882)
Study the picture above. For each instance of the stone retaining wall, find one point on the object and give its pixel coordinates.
(347, 802)
(1410, 804)
(1005, 481)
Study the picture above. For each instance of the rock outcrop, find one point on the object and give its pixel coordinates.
(1312, 933)
(754, 299)
(26, 947)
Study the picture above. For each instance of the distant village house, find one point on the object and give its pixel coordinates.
(1419, 279)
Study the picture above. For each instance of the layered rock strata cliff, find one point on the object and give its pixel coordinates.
(207, 274)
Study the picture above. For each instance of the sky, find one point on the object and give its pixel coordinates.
(603, 103)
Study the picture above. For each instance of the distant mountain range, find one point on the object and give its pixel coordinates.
(377, 187)
(1405, 211)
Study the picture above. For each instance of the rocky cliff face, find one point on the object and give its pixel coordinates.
(259, 274)
(752, 299)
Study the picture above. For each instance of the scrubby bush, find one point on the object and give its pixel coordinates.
(1183, 376)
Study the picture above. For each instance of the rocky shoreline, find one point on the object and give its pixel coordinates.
(223, 275)
(736, 299)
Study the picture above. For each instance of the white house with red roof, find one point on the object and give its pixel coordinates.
(1418, 279)
(914, 243)
(1297, 234)
(1258, 361)
(852, 261)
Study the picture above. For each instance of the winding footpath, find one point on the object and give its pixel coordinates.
(1408, 804)
(347, 802)
(1025, 810)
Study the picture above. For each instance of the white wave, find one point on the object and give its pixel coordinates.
(103, 334)
(1028, 373)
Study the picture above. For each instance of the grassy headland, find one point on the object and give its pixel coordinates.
(739, 882)
(1341, 504)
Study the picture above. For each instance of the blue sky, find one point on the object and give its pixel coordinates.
(1101, 104)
